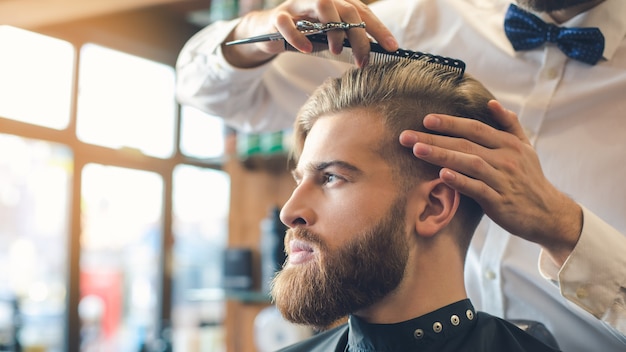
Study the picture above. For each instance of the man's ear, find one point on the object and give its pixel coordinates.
(438, 205)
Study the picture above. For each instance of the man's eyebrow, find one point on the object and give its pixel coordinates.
(323, 165)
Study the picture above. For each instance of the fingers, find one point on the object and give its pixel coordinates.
(374, 26)
(477, 131)
(466, 160)
(351, 11)
(473, 188)
(344, 11)
(459, 154)
(467, 173)
(476, 159)
(355, 11)
(507, 119)
(287, 27)
(359, 41)
(466, 128)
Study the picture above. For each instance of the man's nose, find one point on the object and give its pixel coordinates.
(298, 210)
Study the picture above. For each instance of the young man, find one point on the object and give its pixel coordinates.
(554, 177)
(375, 234)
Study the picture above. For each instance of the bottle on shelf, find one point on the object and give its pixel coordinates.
(272, 247)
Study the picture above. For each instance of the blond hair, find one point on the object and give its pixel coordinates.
(402, 93)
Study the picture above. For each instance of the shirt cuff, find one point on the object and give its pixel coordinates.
(595, 272)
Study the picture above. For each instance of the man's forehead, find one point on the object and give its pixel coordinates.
(343, 134)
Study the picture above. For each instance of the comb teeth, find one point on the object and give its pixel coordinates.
(380, 55)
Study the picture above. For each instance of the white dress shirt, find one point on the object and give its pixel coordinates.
(574, 114)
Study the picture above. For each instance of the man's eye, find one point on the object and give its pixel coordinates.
(329, 178)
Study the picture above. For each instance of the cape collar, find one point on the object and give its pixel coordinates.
(449, 321)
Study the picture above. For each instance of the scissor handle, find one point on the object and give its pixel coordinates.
(304, 26)
(308, 26)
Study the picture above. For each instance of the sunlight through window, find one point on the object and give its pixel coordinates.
(201, 135)
(35, 78)
(125, 101)
(121, 214)
(201, 202)
(35, 184)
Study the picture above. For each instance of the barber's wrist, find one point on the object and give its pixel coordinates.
(567, 224)
(246, 55)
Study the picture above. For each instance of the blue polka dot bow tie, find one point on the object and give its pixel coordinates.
(527, 31)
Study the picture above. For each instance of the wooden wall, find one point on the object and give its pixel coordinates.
(253, 193)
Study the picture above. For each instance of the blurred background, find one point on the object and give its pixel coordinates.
(129, 222)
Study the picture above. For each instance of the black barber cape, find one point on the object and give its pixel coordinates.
(453, 328)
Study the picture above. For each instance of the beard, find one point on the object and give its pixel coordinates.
(550, 5)
(345, 280)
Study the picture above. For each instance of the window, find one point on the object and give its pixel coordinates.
(35, 186)
(200, 237)
(203, 135)
(125, 101)
(102, 198)
(36, 74)
(122, 217)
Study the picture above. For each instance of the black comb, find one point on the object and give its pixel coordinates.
(379, 55)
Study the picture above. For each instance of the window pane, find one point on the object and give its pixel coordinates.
(125, 101)
(201, 205)
(35, 190)
(120, 255)
(201, 135)
(35, 78)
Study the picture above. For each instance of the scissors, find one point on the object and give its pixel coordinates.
(305, 27)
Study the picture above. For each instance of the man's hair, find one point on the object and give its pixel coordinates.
(401, 93)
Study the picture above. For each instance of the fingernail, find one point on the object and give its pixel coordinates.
(432, 121)
(391, 42)
(422, 149)
(408, 139)
(447, 175)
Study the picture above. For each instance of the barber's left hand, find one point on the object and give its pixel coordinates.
(501, 171)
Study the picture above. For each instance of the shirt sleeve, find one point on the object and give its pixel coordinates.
(594, 275)
(260, 99)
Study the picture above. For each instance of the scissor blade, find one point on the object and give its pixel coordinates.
(258, 38)
(272, 36)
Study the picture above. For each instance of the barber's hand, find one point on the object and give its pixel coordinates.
(501, 171)
(283, 19)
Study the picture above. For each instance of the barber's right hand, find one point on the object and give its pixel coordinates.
(283, 19)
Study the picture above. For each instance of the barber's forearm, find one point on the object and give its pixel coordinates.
(206, 81)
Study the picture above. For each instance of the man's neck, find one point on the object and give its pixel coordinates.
(561, 16)
(433, 279)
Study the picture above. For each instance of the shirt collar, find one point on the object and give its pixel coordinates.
(609, 16)
(452, 320)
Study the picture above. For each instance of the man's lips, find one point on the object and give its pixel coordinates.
(300, 252)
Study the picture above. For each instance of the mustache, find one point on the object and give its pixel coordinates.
(304, 235)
